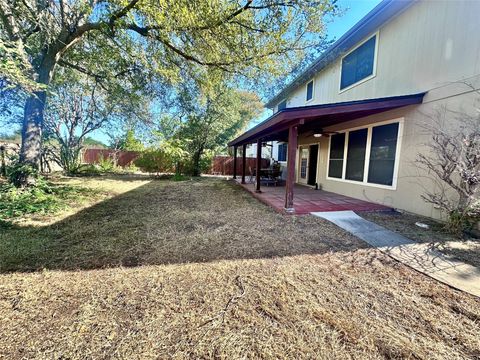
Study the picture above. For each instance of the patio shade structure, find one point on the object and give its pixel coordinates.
(287, 124)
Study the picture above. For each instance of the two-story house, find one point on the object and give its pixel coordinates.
(353, 122)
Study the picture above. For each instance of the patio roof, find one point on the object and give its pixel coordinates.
(317, 117)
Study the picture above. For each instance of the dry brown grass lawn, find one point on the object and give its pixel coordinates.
(199, 269)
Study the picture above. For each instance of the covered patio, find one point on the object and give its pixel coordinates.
(286, 125)
(309, 200)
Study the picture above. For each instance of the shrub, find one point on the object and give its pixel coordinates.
(107, 164)
(154, 161)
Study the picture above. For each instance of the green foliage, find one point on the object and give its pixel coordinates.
(170, 39)
(45, 197)
(179, 177)
(204, 122)
(130, 143)
(21, 175)
(142, 48)
(155, 161)
(107, 164)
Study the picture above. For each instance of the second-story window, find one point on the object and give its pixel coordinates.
(282, 105)
(309, 91)
(359, 64)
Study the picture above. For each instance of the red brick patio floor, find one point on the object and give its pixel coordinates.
(307, 200)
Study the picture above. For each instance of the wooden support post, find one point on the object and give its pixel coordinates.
(244, 162)
(234, 162)
(259, 161)
(291, 156)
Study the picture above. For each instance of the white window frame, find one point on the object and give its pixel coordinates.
(375, 58)
(369, 128)
(313, 90)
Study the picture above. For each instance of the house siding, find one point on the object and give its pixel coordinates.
(433, 47)
(429, 45)
(412, 181)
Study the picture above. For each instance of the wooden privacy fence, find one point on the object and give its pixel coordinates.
(223, 165)
(123, 158)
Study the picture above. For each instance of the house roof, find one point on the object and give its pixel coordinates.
(382, 13)
(316, 117)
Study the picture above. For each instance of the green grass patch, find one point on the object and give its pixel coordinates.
(45, 198)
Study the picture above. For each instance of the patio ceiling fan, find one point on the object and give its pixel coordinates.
(322, 133)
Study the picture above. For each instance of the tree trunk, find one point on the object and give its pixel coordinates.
(196, 163)
(31, 150)
(32, 130)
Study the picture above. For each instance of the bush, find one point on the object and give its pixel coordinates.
(154, 161)
(107, 164)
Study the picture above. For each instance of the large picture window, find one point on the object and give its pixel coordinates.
(369, 155)
(335, 163)
(359, 64)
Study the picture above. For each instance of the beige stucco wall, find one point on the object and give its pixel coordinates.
(429, 45)
(412, 181)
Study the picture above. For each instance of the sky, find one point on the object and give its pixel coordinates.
(354, 10)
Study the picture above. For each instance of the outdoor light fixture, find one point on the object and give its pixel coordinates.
(317, 135)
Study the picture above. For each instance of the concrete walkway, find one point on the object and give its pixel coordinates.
(416, 255)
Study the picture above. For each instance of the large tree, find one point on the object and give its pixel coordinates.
(75, 109)
(204, 121)
(143, 40)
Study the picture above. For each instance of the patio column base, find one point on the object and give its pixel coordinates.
(289, 210)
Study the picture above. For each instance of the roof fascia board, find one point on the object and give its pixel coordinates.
(287, 117)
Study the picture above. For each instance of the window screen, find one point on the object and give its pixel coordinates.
(282, 152)
(357, 145)
(382, 154)
(358, 64)
(337, 147)
(310, 90)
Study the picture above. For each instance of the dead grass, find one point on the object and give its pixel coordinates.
(217, 275)
(466, 249)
